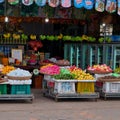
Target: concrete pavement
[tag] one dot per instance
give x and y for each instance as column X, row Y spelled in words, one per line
column 44, row 108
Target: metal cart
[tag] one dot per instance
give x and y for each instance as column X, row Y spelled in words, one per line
column 57, row 89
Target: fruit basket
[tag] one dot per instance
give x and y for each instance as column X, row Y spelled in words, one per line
column 98, row 72
column 44, row 63
column 107, row 79
column 19, row 78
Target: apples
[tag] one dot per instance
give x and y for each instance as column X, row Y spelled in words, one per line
column 103, row 68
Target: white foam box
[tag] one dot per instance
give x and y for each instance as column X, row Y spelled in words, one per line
column 101, row 75
column 64, row 87
column 47, row 77
column 111, row 87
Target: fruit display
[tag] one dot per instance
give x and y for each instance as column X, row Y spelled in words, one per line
column 79, row 74
column 19, row 73
column 45, row 62
column 111, row 78
column 99, row 69
column 32, row 60
column 50, row 69
column 35, row 44
column 64, row 75
column 62, row 62
column 7, row 69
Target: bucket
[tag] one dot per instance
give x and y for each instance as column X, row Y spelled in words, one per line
column 5, row 61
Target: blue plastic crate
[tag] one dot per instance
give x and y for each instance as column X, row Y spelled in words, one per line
column 115, row 38
column 20, row 89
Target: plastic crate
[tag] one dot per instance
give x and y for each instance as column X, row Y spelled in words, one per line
column 64, row 87
column 20, row 89
column 3, row 89
column 111, row 87
column 85, row 87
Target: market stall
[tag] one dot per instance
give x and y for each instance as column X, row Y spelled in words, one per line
column 68, row 82
column 15, row 84
column 107, row 81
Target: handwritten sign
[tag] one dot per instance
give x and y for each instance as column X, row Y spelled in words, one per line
column 17, row 54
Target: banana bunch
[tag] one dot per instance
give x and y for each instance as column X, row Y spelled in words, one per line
column 24, row 37
column 60, row 36
column 7, row 35
column 16, row 36
column 33, row 37
column 85, row 37
column 42, row 37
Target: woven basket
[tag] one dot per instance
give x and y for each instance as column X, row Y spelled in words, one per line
column 98, row 72
column 108, row 80
column 19, row 78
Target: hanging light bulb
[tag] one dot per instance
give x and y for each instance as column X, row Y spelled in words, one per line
column 46, row 19
column 6, row 19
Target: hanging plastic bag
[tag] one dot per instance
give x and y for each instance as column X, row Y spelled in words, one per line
column 53, row 3
column 78, row 3
column 100, row 5
column 1, row 1
column 111, row 6
column 40, row 2
column 88, row 4
column 66, row 3
column 118, row 11
column 13, row 2
column 27, row 2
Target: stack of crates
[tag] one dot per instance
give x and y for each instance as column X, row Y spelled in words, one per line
column 86, row 87
column 3, row 89
column 20, row 89
column 111, row 87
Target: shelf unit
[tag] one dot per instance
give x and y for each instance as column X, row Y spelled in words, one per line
column 83, row 55
column 76, row 54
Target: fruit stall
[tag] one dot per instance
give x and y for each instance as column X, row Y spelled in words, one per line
column 107, row 81
column 68, row 82
column 15, row 84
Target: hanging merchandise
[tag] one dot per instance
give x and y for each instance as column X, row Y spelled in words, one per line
column 13, row 2
column 40, row 2
column 66, row 3
column 1, row 1
column 88, row 4
column 27, row 2
column 111, row 6
column 53, row 3
column 100, row 5
column 78, row 3
column 118, row 12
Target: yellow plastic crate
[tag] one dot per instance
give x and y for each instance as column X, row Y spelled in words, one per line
column 85, row 87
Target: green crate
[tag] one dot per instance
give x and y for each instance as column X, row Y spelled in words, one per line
column 3, row 89
column 20, row 89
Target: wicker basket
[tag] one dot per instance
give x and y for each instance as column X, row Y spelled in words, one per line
column 108, row 80
column 98, row 72
column 19, row 78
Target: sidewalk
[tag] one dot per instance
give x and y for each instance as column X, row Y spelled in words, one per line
column 44, row 108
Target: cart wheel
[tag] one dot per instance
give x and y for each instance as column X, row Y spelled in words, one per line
column 31, row 100
column 56, row 99
column 96, row 99
column 43, row 94
column 105, row 98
